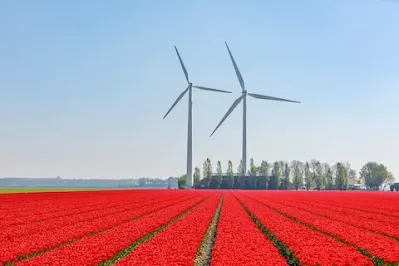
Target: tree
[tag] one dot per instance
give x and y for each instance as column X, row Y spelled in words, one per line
column 390, row 180
column 325, row 167
column 366, row 173
column 207, row 171
column 197, row 177
column 252, row 167
column 352, row 178
column 240, row 169
column 347, row 166
column 329, row 176
column 308, row 176
column 281, row 165
column 275, row 179
column 252, row 174
column 319, row 176
column 330, row 179
column 230, row 174
column 297, row 168
column 374, row 175
column 286, row 177
column 214, row 180
column 219, row 172
column 209, row 168
column 181, row 182
column 264, row 171
column 341, row 176
column 313, row 166
column 239, row 182
column 316, row 173
column 205, row 168
column 219, row 169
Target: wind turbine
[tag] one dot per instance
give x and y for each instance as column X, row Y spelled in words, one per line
column 189, row 174
column 243, row 98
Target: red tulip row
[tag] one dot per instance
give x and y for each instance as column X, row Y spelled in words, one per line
column 375, row 203
column 93, row 249
column 384, row 203
column 238, row 240
column 32, row 205
column 377, row 223
column 26, row 245
column 59, row 208
column 12, row 232
column 359, row 210
column 178, row 243
column 41, row 203
column 309, row 247
column 377, row 245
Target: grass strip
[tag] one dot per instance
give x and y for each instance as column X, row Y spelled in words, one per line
column 285, row 251
column 123, row 253
column 204, row 251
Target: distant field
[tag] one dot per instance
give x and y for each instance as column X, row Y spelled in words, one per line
column 6, row 190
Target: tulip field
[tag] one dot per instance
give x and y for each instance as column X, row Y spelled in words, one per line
column 199, row 227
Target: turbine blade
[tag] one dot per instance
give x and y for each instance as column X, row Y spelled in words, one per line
column 240, row 79
column 233, row 106
column 210, row 89
column 182, row 65
column 177, row 100
column 264, row 97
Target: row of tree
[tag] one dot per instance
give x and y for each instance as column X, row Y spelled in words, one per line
column 291, row 175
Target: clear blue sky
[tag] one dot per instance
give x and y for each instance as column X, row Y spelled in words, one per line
column 84, row 84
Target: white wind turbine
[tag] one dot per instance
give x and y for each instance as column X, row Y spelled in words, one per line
column 189, row 174
column 244, row 110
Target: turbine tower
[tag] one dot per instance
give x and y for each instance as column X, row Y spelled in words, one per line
column 243, row 98
column 189, row 174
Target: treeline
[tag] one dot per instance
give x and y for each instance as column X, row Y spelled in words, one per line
column 291, row 175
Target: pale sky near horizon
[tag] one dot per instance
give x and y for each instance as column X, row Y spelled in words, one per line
column 84, row 84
